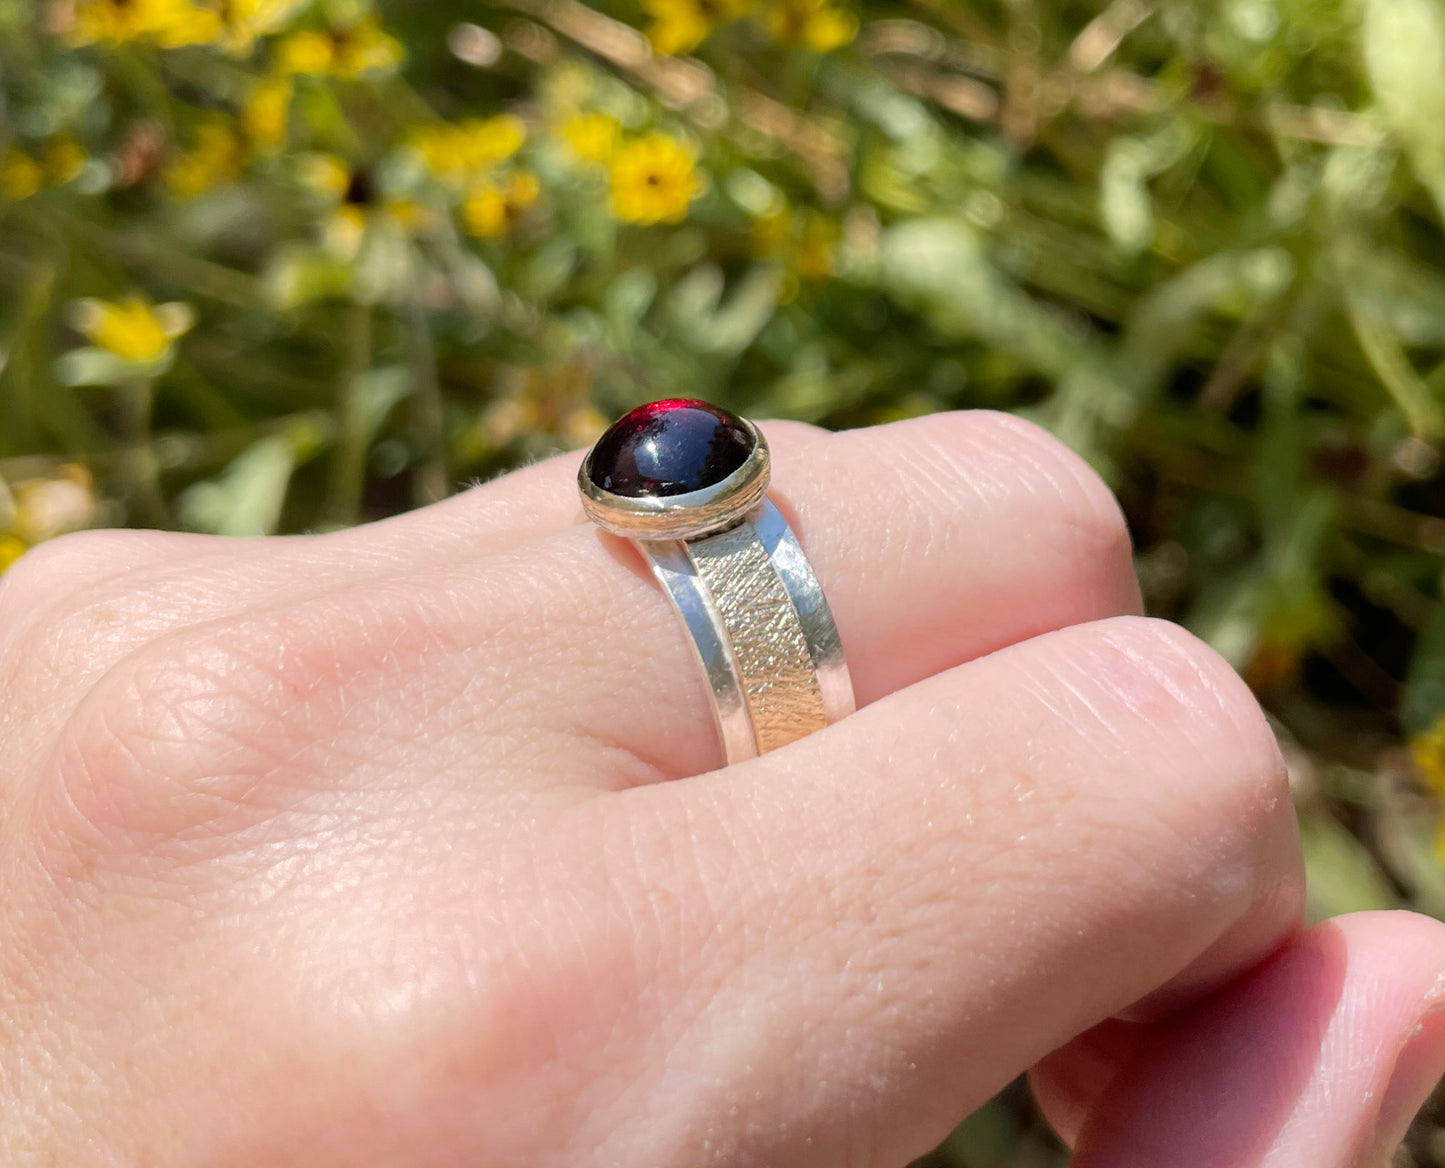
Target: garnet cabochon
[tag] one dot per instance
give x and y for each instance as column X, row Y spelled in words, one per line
column 671, row 447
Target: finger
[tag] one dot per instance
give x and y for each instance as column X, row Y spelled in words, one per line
column 1320, row 1056
column 169, row 580
column 937, row 540
column 903, row 913
column 966, row 533
column 526, row 504
column 1069, row 1083
column 72, row 609
column 516, row 509
column 165, row 580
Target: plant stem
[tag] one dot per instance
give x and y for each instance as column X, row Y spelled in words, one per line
column 429, row 480
column 139, row 467
column 348, row 463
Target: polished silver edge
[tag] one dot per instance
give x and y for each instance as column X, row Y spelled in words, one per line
column 678, row 576
column 676, row 571
column 820, row 630
column 692, row 516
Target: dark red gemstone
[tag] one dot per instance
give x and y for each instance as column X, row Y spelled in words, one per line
column 670, row 447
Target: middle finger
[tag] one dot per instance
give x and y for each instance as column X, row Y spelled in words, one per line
column 937, row 540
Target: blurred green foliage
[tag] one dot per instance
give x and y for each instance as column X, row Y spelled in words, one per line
column 275, row 265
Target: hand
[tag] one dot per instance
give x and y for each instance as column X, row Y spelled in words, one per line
column 405, row 847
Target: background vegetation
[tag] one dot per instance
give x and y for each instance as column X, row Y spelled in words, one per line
column 270, row 265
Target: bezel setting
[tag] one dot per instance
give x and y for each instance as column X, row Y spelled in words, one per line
column 688, row 516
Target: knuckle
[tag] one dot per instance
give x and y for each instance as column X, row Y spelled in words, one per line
column 1220, row 760
column 189, row 738
column 212, row 729
column 74, row 606
column 71, row 577
column 60, row 566
column 1078, row 531
column 1071, row 488
column 157, row 746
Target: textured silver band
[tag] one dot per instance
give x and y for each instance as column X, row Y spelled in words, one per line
column 762, row 629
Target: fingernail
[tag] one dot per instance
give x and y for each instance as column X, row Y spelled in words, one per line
column 1417, row 1072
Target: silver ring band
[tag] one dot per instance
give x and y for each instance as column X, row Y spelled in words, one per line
column 762, row 629
column 687, row 482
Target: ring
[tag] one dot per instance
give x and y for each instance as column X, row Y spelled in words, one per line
column 687, row 482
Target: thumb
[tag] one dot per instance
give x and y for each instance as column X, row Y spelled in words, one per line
column 1320, row 1056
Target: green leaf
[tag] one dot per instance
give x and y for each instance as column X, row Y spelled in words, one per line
column 989, row 1138
column 300, row 275
column 941, row 268
column 1342, row 876
column 95, row 366
column 1392, row 366
column 625, row 303
column 546, row 273
column 1404, row 44
column 1125, row 204
column 381, row 389
column 1422, row 701
column 1405, row 297
column 711, row 326
column 247, row 499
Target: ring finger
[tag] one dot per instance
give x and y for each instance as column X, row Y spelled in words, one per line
column 938, row 540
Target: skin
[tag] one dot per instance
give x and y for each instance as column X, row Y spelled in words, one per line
column 409, row 846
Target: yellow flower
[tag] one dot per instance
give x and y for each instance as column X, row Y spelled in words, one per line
column 814, row 23
column 808, row 253
column 1428, row 750
column 487, row 141
column 457, row 152
column 364, row 47
column 246, row 21
column 52, row 505
column 133, row 329
column 215, row 160
column 188, row 176
column 64, row 160
column 326, row 174
column 308, row 52
column 20, row 175
column 170, row 23
column 347, row 226
column 344, row 230
column 485, row 212
column 353, row 197
column 11, row 549
column 772, row 233
column 815, row 250
column 653, row 180
column 592, row 137
column 491, row 209
column 679, row 26
column 352, row 194
column 267, row 114
column 414, row 218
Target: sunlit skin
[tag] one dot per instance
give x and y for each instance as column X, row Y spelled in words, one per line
column 408, row 846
